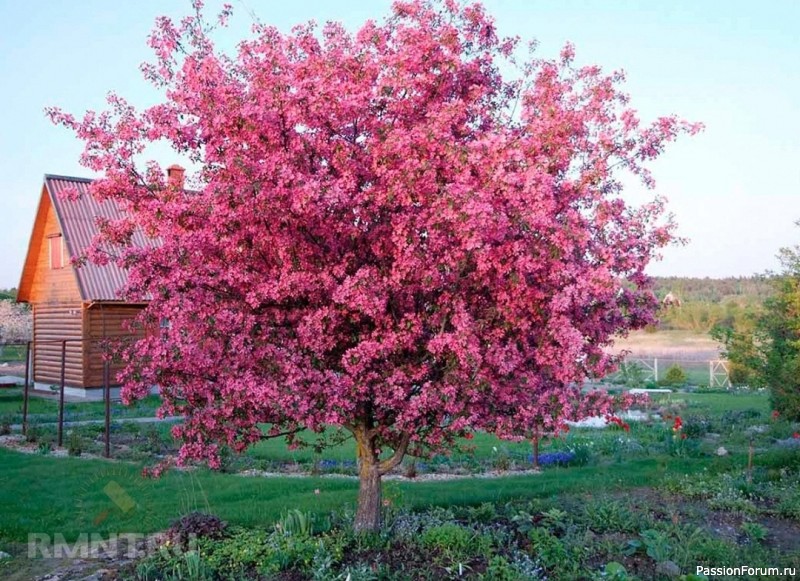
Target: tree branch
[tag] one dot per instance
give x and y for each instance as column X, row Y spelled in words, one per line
column 395, row 459
column 281, row 434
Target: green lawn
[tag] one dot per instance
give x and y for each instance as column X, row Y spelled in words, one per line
column 43, row 493
column 716, row 404
column 12, row 353
column 41, row 410
column 72, row 496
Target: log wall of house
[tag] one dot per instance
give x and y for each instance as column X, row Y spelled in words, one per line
column 110, row 321
column 52, row 323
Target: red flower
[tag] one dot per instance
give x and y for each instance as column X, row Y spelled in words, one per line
column 676, row 427
column 619, row 423
column 796, row 435
column 683, row 436
column 776, row 414
column 468, row 436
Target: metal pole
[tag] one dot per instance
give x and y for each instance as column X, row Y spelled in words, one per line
column 61, row 394
column 655, row 369
column 25, row 389
column 107, row 394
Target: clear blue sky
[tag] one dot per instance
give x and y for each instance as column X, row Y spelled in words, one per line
column 733, row 65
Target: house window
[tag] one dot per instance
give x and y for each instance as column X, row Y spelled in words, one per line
column 56, row 242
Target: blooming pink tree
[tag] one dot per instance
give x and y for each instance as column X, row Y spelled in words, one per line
column 385, row 235
column 16, row 322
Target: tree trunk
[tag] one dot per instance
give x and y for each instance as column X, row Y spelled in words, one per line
column 368, row 514
column 370, row 471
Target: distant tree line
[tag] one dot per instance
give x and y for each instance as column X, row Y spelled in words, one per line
column 708, row 303
column 715, row 290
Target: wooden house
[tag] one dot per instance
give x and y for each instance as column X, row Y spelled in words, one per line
column 76, row 304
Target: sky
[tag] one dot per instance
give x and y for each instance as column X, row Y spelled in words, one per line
column 734, row 189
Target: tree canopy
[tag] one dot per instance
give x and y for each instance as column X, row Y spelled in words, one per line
column 384, row 234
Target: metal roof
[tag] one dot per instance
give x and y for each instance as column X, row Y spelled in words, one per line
column 77, row 216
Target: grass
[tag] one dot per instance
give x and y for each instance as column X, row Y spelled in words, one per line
column 84, row 502
column 12, row 353
column 482, row 446
column 719, row 403
column 43, row 410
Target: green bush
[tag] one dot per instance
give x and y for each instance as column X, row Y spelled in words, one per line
column 605, row 515
column 454, row 542
column 790, row 506
column 675, row 376
column 75, row 444
column 770, row 348
column 500, row 569
column 5, row 425
column 739, row 374
column 754, row 531
column 33, row 433
column 695, row 426
column 548, row 548
column 630, row 375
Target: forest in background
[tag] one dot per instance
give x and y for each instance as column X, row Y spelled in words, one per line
column 707, row 303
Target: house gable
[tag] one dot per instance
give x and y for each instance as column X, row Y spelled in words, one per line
column 48, row 276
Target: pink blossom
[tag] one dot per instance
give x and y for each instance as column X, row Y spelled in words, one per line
column 375, row 241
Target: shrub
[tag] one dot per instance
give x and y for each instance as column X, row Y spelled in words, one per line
column 33, row 433
column 195, row 525
column 695, row 426
column 630, row 375
column 454, row 542
column 754, row 531
column 153, row 443
column 656, row 544
column 790, row 506
column 610, row 516
column 239, row 555
column 675, row 376
column 501, row 462
column 5, row 426
column 549, row 549
column 582, row 453
column 500, row 569
column 739, row 374
column 75, row 444
column 735, row 418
